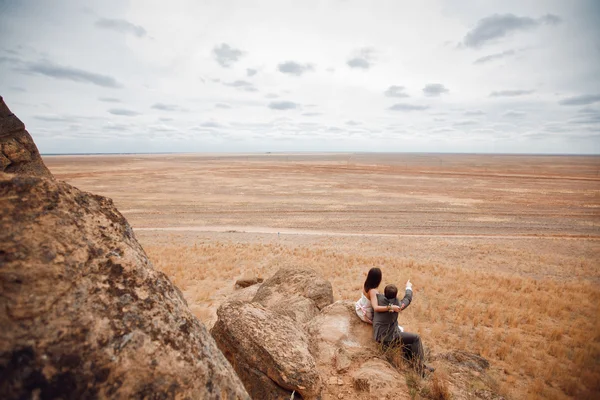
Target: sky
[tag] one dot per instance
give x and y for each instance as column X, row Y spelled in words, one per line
column 117, row 76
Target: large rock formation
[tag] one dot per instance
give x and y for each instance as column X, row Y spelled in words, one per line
column 263, row 338
column 344, row 349
column 302, row 291
column 84, row 314
column 18, row 152
column 268, row 351
column 290, row 337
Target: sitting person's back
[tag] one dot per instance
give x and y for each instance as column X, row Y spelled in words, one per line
column 385, row 324
column 387, row 332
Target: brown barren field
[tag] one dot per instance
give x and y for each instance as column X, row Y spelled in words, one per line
column 503, row 251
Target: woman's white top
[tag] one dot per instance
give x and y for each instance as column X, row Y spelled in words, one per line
column 364, row 309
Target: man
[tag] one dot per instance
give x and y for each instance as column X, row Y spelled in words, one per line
column 387, row 332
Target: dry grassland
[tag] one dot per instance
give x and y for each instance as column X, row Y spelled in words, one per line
column 503, row 251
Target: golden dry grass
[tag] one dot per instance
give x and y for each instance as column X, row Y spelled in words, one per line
column 543, row 334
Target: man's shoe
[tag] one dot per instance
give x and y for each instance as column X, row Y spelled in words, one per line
column 427, row 370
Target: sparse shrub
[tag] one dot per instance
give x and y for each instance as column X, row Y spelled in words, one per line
column 439, row 387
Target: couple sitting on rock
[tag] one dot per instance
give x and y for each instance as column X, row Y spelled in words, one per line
column 381, row 310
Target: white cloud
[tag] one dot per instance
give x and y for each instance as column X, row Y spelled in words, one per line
column 434, row 89
column 226, row 55
column 122, row 26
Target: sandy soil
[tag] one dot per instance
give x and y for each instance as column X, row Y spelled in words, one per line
column 451, row 209
column 374, row 194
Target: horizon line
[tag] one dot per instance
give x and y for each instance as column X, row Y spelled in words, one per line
column 317, row 152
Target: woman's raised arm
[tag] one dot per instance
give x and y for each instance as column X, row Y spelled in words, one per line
column 373, row 296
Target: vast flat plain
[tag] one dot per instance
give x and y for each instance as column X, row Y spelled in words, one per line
column 503, row 250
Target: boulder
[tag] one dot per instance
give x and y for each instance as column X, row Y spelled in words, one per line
column 18, row 152
column 343, row 347
column 244, row 295
column 84, row 314
column 377, row 377
column 268, row 351
column 295, row 292
column 337, row 333
column 245, row 282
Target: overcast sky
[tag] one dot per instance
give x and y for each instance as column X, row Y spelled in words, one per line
column 230, row 76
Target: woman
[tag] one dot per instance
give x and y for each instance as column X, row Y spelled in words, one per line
column 367, row 303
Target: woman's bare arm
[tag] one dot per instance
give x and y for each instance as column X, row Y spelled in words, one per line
column 376, row 306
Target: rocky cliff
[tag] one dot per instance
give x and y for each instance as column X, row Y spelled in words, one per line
column 83, row 313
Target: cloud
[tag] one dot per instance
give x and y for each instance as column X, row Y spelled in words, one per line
column 407, row 107
column 353, row 123
column 473, row 113
column 550, row 19
column 434, row 89
column 294, row 68
column 226, row 55
column 591, row 119
column 251, row 71
column 283, row 105
column 496, row 56
column 363, row 58
column 123, row 112
column 498, row 26
column 117, row 127
column 109, row 99
column 466, row 122
column 211, row 124
column 166, row 107
column 395, row 91
column 10, row 60
column 513, row 114
column 271, row 96
column 582, row 100
column 443, row 130
column 122, row 26
column 358, row 62
column 311, row 114
column 241, row 85
column 54, row 118
column 72, row 74
column 223, row 106
column 510, row 93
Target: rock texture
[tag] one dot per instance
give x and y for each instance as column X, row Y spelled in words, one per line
column 376, row 376
column 18, row 152
column 246, row 282
column 343, row 348
column 82, row 311
column 325, row 353
column 302, row 292
column 268, row 351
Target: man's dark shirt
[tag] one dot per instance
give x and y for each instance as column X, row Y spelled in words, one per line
column 385, row 324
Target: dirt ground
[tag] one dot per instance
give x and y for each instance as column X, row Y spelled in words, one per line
column 446, row 209
column 490, row 242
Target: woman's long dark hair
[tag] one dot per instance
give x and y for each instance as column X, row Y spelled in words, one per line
column 373, row 279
